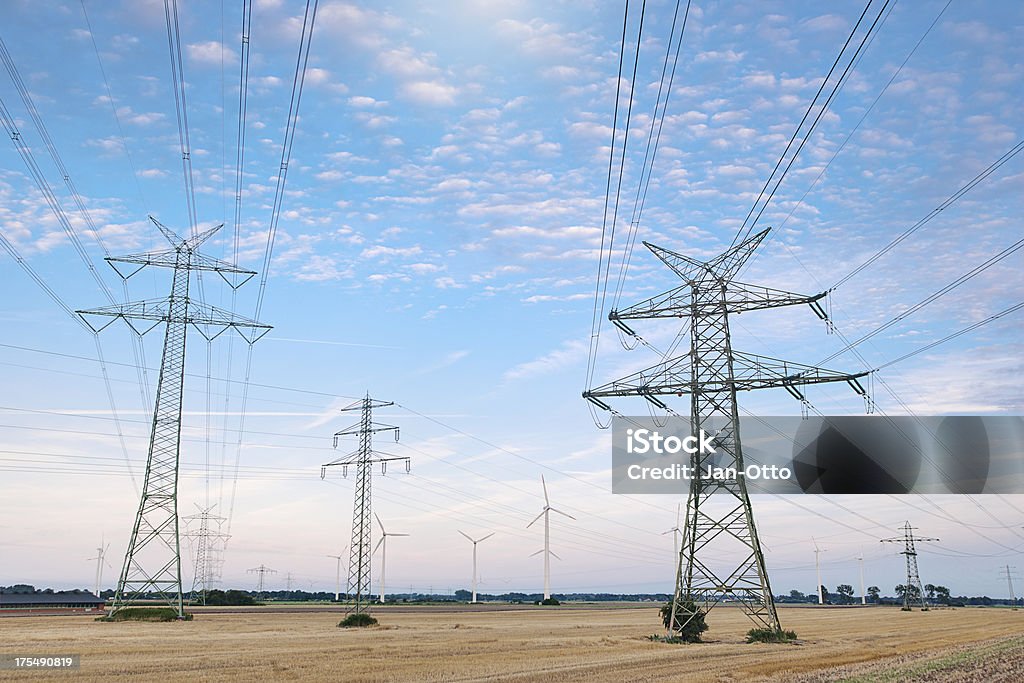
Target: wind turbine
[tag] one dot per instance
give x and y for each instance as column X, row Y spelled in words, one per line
column 817, row 568
column 676, row 532
column 547, row 537
column 860, row 561
column 474, row 557
column 337, row 577
column 383, row 545
column 101, row 559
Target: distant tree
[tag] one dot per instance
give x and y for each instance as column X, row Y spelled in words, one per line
column 463, row 595
column 796, row 595
column 845, row 591
column 914, row 591
column 942, row 594
column 874, row 593
column 929, row 591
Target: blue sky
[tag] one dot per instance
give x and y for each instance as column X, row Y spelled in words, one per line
column 438, row 247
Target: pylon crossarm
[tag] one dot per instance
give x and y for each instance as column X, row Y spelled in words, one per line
column 761, row 372
column 750, row 372
column 742, row 297
column 170, row 258
column 739, row 297
column 675, row 303
column 356, row 458
column 201, row 316
column 675, row 372
column 372, row 429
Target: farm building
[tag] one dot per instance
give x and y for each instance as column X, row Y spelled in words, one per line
column 25, row 599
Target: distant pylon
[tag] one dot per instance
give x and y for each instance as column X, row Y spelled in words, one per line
column 261, row 571
column 363, row 458
column 913, row 579
column 152, row 563
column 711, row 373
column 208, row 542
column 1009, row 584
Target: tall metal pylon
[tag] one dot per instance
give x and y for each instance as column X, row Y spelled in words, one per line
column 913, row 579
column 711, row 374
column 208, row 544
column 364, row 457
column 261, row 571
column 152, row 562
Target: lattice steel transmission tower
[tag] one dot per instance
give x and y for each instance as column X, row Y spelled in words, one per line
column 711, row 374
column 152, row 563
column 260, row 571
column 913, row 579
column 209, row 540
column 364, row 457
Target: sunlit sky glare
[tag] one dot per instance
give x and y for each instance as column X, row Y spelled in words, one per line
column 438, row 247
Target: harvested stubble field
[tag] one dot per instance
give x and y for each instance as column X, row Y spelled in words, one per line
column 599, row 644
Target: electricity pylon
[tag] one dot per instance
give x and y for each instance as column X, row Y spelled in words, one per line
column 152, row 563
column 1009, row 584
column 364, row 457
column 913, row 579
column 261, row 571
column 711, row 374
column 208, row 544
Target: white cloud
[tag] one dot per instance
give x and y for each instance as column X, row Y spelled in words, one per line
column 447, row 283
column 424, row 268
column 430, row 93
column 379, row 250
column 719, row 56
column 406, row 63
column 364, row 102
column 210, row 53
column 330, row 175
column 569, row 354
column 126, row 115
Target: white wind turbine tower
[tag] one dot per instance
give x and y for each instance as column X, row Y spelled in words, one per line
column 676, row 532
column 101, row 559
column 817, row 569
column 383, row 545
column 547, row 537
column 468, row 538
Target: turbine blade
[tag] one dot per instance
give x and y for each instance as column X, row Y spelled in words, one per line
column 486, row 537
column 378, row 545
column 563, row 513
column 398, row 534
column 554, row 555
column 542, row 512
column 537, row 553
column 544, row 484
column 380, row 523
column 466, row 535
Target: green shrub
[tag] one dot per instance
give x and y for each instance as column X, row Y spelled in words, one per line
column 146, row 614
column 690, row 632
column 550, row 601
column 769, row 635
column 357, row 620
